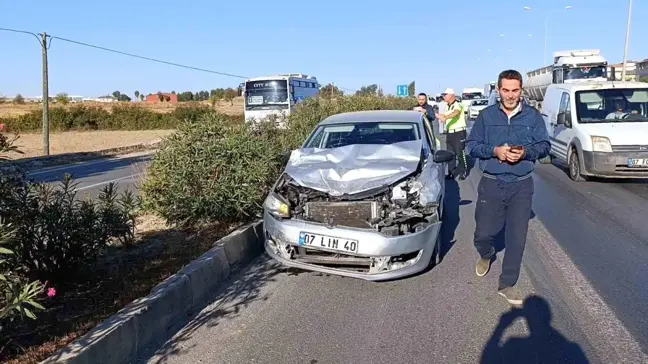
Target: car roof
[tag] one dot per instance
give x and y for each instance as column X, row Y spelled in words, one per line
column 392, row 116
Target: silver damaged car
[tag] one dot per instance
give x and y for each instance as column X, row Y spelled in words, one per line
column 362, row 198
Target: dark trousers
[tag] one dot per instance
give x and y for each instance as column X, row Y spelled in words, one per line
column 457, row 143
column 503, row 204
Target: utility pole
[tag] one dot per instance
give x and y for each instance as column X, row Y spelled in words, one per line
column 46, row 125
column 627, row 40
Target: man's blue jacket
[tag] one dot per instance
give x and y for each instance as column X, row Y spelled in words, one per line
column 492, row 128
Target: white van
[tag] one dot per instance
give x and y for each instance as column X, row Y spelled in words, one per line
column 598, row 128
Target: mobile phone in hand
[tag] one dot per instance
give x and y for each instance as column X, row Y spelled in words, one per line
column 517, row 148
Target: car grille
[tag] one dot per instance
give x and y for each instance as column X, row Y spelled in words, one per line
column 630, row 148
column 333, row 260
column 352, row 214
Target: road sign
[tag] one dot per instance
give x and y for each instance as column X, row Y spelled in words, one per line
column 402, row 90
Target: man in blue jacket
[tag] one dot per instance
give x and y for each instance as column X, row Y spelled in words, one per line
column 507, row 138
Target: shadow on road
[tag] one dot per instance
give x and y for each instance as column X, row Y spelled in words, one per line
column 544, row 344
column 93, row 168
column 452, row 202
column 242, row 290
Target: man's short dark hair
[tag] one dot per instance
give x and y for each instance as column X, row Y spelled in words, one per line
column 509, row 75
column 422, row 94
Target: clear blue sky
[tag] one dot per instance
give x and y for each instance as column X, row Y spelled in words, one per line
column 351, row 43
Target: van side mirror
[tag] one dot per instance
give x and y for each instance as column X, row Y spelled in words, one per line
column 561, row 118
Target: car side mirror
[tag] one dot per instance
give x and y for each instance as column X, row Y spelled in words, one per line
column 443, row 156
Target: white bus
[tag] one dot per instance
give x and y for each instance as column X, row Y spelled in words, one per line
column 276, row 95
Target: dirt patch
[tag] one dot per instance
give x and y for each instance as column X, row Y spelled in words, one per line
column 10, row 109
column 83, row 141
column 118, row 278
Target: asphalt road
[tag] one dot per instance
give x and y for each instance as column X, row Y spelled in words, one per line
column 585, row 267
column 92, row 176
column 586, row 261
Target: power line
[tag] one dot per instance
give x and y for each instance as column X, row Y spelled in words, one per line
column 141, row 57
column 148, row 58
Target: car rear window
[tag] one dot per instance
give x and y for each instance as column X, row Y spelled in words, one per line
column 339, row 135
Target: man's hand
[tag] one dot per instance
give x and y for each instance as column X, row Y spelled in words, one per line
column 515, row 155
column 502, row 152
column 440, row 117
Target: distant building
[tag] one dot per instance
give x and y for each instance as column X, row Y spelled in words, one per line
column 615, row 71
column 107, row 98
column 166, row 97
column 642, row 69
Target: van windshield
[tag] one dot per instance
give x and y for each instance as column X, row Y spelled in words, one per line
column 612, row 105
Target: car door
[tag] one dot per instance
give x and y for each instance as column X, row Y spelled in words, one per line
column 561, row 132
column 429, row 139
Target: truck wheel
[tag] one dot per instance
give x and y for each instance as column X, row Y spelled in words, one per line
column 574, row 167
column 546, row 160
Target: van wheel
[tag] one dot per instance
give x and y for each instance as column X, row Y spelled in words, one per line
column 546, row 160
column 574, row 167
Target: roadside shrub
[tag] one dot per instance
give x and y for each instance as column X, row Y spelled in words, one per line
column 56, row 233
column 121, row 117
column 213, row 169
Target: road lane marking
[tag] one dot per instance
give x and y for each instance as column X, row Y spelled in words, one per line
column 107, row 182
column 90, row 163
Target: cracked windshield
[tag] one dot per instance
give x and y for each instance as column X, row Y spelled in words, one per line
column 328, row 183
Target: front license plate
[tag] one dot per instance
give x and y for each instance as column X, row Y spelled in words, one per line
column 328, row 242
column 637, row 162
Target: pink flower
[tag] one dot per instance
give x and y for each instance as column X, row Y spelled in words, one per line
column 51, row 292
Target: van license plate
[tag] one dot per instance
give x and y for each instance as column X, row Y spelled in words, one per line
column 637, row 162
column 326, row 242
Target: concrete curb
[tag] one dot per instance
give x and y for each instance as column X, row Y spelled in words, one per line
column 150, row 321
column 68, row 158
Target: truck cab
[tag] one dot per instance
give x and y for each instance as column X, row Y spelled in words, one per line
column 598, row 129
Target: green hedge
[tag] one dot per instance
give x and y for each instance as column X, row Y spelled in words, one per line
column 211, row 169
column 122, row 117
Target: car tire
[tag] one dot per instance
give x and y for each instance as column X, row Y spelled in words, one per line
column 574, row 167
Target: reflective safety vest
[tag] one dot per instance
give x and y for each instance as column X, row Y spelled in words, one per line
column 458, row 122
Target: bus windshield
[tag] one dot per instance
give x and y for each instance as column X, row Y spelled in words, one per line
column 265, row 93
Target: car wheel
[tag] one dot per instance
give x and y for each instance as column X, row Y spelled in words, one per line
column 574, row 167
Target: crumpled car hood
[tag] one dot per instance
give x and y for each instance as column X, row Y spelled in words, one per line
column 353, row 168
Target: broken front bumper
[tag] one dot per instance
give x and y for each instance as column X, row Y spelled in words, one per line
column 376, row 257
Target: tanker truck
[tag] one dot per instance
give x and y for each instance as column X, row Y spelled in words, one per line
column 574, row 66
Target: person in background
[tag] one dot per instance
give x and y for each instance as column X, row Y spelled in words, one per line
column 454, row 121
column 507, row 138
column 424, row 107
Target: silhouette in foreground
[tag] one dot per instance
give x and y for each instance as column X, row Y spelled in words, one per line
column 544, row 345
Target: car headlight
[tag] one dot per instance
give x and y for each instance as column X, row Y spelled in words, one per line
column 277, row 206
column 601, row 144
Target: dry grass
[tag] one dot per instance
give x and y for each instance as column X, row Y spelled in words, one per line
column 11, row 109
column 83, row 141
column 120, row 277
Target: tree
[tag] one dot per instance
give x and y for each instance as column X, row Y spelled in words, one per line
column 643, row 79
column 330, row 91
column 137, row 95
column 160, row 96
column 411, row 88
column 230, row 94
column 371, row 90
column 19, row 99
column 124, row 97
column 141, row 97
column 62, row 98
column 116, row 94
